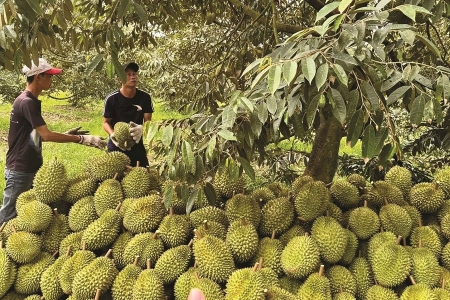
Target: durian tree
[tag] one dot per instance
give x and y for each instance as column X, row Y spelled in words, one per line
column 253, row 73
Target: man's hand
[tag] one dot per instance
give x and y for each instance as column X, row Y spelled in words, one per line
column 196, row 294
column 76, row 131
column 136, row 131
column 93, row 141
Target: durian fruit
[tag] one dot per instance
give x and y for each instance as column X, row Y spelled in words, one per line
column 183, row 284
column 300, row 257
column 445, row 256
column 72, row 266
column 122, row 135
column 79, row 189
column 441, row 293
column 364, row 222
column 377, row 292
column 290, row 284
column 50, row 181
column 148, row 286
column 350, row 249
column 381, row 192
column 316, row 286
column 330, row 237
column 242, row 239
column 425, row 266
column 210, row 213
column 357, row 180
column 172, row 263
column 49, row 282
column 262, row 195
column 98, row 274
column 8, row 271
column 295, row 230
column 245, row 283
column 341, row 280
column 279, row 189
column 426, row 237
column 23, row 247
column 226, row 186
column 29, row 274
column 414, row 214
column 213, row 257
column 34, row 217
column 276, row 215
column 445, row 226
column 391, row 264
column 396, row 219
column 118, row 249
column 379, row 239
column 73, row 240
column 34, row 297
column 55, row 233
column 212, row 228
column 269, row 275
column 174, row 230
column 82, row 213
column 240, row 206
column 136, row 182
column 122, row 287
column 107, row 165
column 156, row 180
column 427, row 197
column 418, row 291
column 344, row 296
column 298, row 183
column 269, row 250
column 360, row 269
column 24, row 198
column 104, row 230
column 108, row 195
column 442, row 179
column 311, row 200
column 148, row 246
column 277, row 293
column 344, row 193
column 144, row 214
column 13, row 295
column 334, row 211
column 190, row 279
column 400, row 177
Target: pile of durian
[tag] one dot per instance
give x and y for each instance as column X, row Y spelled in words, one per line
column 107, row 234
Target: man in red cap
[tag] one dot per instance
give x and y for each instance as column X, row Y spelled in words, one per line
column 27, row 130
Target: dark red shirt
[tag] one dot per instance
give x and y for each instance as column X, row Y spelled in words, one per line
column 24, row 143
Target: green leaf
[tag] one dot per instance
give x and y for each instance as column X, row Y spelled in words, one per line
column 437, row 110
column 341, row 74
column 355, row 127
column 228, row 117
column 140, row 11
column 188, row 156
column 408, row 36
column 309, row 68
column 168, row 196
column 167, row 135
column 227, row 135
column 338, row 22
column 94, row 63
column 29, row 8
column 272, row 104
column 386, row 153
column 417, row 108
column 444, row 80
column 406, row 73
column 368, row 142
column 339, row 109
column 274, row 78
column 324, row 11
column 122, row 8
column 407, row 10
column 380, row 138
column 263, row 112
column 259, row 77
column 371, row 94
column 210, row 193
column 381, row 4
column 211, row 147
column 414, row 72
column 397, row 94
column 429, row 44
column 151, row 129
column 289, row 71
column 321, row 75
column 246, row 103
column 312, row 109
column 248, row 169
column 329, row 20
column 191, row 200
column 344, row 5
column 344, row 57
column 391, row 82
column 252, row 66
column 118, row 67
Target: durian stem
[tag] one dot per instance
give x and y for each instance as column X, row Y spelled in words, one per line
column 108, row 253
column 13, row 228
column 321, row 270
column 148, row 264
column 3, row 226
column 137, row 164
column 1, row 244
column 255, row 267
column 420, row 222
column 420, row 243
column 55, row 212
column 399, row 239
column 261, row 259
column 136, row 259
column 97, row 294
column 365, row 203
column 196, row 275
column 273, row 235
column 443, row 283
column 412, row 280
column 118, row 206
column 190, row 243
column 115, row 176
column 171, row 211
column 404, row 241
column 68, row 250
column 155, row 235
column 198, row 235
column 244, row 221
column 205, row 224
column 83, row 246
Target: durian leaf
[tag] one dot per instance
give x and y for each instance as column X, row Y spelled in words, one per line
column 188, row 156
column 140, row 11
column 248, row 169
column 191, row 199
column 272, row 104
column 227, row 135
column 368, row 142
column 94, row 63
column 324, row 11
column 388, row 84
column 168, row 194
column 397, row 94
column 321, row 75
column 151, row 129
column 380, row 138
column 167, row 134
column 308, row 68
column 211, row 147
column 289, row 71
column 417, row 109
column 246, row 103
column 341, row 74
column 371, row 94
column 355, row 128
column 339, row 109
column 210, row 193
column 274, row 78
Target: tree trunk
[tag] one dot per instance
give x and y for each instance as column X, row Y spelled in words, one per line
column 323, row 161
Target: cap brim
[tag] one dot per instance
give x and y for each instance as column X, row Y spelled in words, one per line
column 53, row 71
column 133, row 66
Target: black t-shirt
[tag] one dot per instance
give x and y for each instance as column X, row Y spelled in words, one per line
column 24, row 143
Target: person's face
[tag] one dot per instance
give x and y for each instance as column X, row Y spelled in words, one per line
column 132, row 77
column 44, row 81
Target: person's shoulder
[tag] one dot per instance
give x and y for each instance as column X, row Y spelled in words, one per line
column 113, row 94
column 143, row 92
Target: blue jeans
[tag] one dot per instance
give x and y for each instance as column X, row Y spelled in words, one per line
column 15, row 184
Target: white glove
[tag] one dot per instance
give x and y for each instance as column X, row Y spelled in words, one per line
column 136, row 131
column 118, row 145
column 93, row 141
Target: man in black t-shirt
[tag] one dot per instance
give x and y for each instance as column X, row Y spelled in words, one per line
column 130, row 105
column 27, row 131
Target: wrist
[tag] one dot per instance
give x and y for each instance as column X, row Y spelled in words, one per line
column 81, row 139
